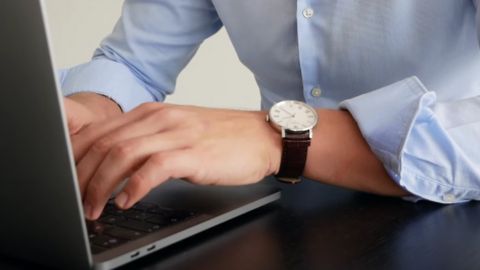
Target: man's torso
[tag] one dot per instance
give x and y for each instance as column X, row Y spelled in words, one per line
column 347, row 47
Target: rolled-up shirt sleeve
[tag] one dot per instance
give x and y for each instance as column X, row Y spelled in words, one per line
column 140, row 61
column 428, row 147
column 108, row 78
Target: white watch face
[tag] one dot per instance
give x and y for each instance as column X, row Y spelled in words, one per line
column 293, row 115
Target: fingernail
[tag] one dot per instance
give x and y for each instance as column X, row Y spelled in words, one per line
column 121, row 200
column 96, row 212
column 87, row 208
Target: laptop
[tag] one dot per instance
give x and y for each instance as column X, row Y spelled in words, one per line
column 42, row 216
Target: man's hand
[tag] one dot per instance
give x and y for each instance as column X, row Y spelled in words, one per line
column 78, row 115
column 86, row 108
column 157, row 141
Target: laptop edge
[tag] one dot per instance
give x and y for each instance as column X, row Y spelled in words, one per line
column 36, row 154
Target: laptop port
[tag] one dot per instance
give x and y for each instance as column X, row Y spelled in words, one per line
column 135, row 254
column 151, row 248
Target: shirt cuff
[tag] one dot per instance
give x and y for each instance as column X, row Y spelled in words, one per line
column 386, row 118
column 107, row 78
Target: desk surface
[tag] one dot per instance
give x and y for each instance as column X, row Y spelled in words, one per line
column 321, row 227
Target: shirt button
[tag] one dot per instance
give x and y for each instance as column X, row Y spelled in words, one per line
column 308, row 12
column 449, row 198
column 316, row 92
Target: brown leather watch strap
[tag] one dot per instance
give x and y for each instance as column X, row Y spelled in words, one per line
column 294, row 156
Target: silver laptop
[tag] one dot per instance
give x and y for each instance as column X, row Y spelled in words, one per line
column 42, row 218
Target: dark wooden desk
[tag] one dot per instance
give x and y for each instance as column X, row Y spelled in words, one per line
column 320, row 227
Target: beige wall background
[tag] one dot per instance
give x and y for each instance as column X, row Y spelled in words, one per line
column 214, row 78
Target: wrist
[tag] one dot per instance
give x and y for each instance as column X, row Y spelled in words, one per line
column 276, row 152
column 100, row 105
column 295, row 121
column 268, row 141
column 274, row 143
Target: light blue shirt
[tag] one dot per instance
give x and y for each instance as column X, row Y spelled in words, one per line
column 407, row 70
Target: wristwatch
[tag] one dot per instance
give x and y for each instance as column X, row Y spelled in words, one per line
column 295, row 121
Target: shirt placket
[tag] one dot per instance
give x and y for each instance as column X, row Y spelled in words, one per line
column 307, row 14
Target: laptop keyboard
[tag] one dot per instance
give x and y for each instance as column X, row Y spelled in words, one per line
column 116, row 226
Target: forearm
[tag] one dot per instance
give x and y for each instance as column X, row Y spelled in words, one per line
column 340, row 156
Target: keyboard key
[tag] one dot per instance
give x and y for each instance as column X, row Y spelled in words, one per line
column 111, row 219
column 95, row 227
column 106, row 241
column 138, row 225
column 122, row 233
column 144, row 207
column 113, row 210
column 138, row 215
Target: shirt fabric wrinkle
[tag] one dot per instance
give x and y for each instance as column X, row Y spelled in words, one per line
column 398, row 66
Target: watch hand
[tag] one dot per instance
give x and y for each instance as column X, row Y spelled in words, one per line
column 287, row 112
